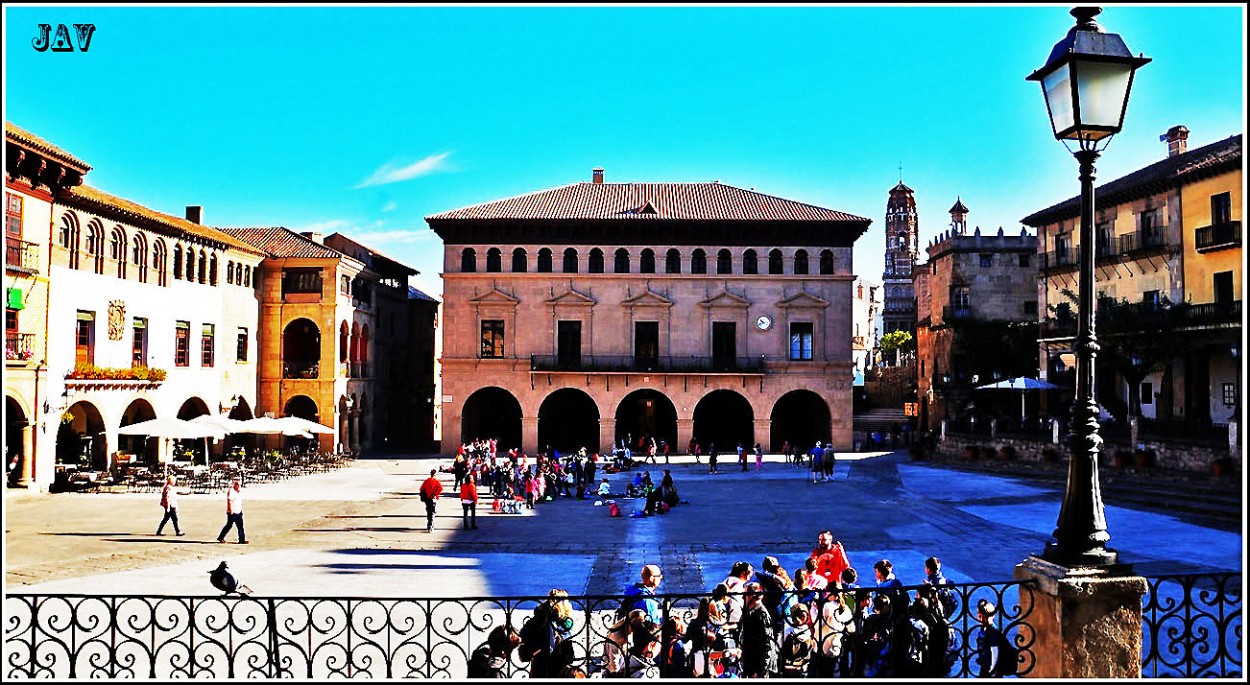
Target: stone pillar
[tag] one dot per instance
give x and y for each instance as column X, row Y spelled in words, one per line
column 685, row 431
column 353, row 430
column 26, row 463
column 763, row 434
column 1086, row 621
column 529, row 434
column 607, row 433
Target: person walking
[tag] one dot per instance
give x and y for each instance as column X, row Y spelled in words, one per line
column 759, row 457
column 234, row 512
column 169, row 501
column 742, row 457
column 430, row 491
column 468, row 502
column 711, row 458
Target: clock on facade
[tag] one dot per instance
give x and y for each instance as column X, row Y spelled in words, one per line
column 764, row 323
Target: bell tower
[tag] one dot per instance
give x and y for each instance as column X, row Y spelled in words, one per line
column 902, row 248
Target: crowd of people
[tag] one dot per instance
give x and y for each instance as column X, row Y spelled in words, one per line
column 817, row 622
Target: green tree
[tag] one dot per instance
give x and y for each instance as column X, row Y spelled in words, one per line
column 897, row 341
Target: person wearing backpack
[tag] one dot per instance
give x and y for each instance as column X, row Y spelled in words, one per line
column 917, row 643
column 798, row 648
column 946, row 596
column 676, row 662
column 545, row 636
column 943, row 645
column 996, row 656
column 877, row 641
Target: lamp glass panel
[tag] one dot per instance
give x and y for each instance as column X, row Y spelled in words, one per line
column 1057, row 87
column 1101, row 89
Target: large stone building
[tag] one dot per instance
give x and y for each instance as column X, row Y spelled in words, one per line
column 866, row 318
column 1168, row 281
column 976, row 300
column 117, row 313
column 146, row 315
column 902, row 249
column 594, row 312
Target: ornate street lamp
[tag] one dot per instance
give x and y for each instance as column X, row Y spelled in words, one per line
column 1086, row 83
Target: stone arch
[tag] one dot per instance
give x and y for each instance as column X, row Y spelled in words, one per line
column 646, row 261
column 344, row 342
column 178, row 261
column 570, row 261
column 800, row 262
column 826, row 262
column 242, row 410
column 698, row 261
column 724, row 262
column 620, row 261
column 16, row 425
column 145, row 450
column 118, row 245
column 468, row 260
column 160, row 259
column 212, row 269
column 672, row 261
column 304, row 407
column 69, row 236
column 95, row 245
column 724, row 418
column 568, row 419
column 494, row 260
column 775, row 263
column 520, row 261
column 750, row 262
column 492, row 412
column 301, row 349
column 647, row 413
column 81, row 440
column 800, row 417
column 544, row 260
column 595, row 263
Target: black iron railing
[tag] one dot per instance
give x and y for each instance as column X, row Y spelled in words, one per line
column 1218, row 236
column 77, row 636
column 622, row 363
column 1191, row 626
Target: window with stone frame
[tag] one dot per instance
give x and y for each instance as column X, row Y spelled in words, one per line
column 182, row 343
column 13, row 215
column 492, row 339
column 240, row 349
column 208, row 345
column 139, row 342
column 801, row 341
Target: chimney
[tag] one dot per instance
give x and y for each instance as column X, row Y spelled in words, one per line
column 596, row 175
column 1175, row 137
column 314, row 236
column 195, row 213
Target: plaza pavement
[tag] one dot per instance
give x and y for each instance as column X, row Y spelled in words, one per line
column 359, row 531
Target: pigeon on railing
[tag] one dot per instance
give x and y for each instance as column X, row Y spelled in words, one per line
column 227, row 583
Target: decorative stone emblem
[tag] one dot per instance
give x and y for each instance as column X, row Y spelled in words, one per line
column 117, row 319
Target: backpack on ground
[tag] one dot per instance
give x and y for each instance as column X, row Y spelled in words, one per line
column 614, row 510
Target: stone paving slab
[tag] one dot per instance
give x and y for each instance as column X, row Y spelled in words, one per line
column 360, row 531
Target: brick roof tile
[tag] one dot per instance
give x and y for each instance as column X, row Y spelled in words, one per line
column 280, row 242
column 94, row 199
column 21, row 135
column 648, row 201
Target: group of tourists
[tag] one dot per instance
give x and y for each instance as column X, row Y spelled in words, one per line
column 757, row 623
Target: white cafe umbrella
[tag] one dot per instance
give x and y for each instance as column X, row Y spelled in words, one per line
column 264, row 425
column 172, row 428
column 305, row 425
column 1021, row 383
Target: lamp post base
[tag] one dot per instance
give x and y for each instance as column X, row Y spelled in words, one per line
column 1097, row 557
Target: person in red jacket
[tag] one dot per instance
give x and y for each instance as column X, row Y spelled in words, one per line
column 430, row 491
column 468, row 502
column 830, row 558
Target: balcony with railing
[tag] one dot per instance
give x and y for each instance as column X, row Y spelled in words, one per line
column 629, row 364
column 1158, row 239
column 1223, row 236
column 21, row 255
column 19, row 347
column 1059, row 259
column 300, row 369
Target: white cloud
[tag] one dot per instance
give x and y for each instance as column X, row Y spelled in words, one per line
column 390, row 206
column 390, row 173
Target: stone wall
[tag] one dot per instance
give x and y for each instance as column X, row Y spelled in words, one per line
column 1172, row 456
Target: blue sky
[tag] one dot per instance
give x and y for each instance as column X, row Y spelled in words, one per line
column 366, row 120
